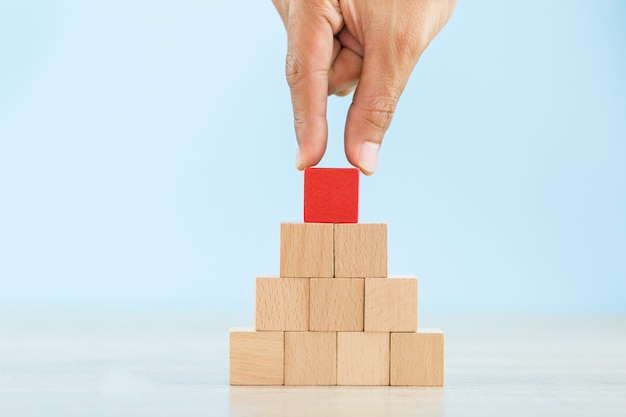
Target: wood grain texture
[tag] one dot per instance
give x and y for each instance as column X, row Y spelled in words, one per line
column 306, row 250
column 331, row 195
column 362, row 358
column 336, row 304
column 310, row 358
column 417, row 358
column 391, row 304
column 360, row 250
column 256, row 358
column 281, row 303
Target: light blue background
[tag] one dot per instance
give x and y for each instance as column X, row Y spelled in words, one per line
column 147, row 151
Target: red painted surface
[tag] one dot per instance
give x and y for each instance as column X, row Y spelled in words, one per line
column 331, row 195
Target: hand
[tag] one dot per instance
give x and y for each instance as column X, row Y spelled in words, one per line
column 337, row 45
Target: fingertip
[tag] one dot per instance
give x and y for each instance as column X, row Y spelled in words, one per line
column 345, row 92
column 362, row 144
column 368, row 157
column 300, row 166
column 309, row 157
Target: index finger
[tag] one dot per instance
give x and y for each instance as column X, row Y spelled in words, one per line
column 309, row 57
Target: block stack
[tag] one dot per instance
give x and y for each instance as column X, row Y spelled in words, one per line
column 333, row 316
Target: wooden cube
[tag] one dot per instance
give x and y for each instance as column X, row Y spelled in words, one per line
column 360, row 250
column 391, row 304
column 331, row 195
column 362, row 358
column 256, row 358
column 306, row 250
column 282, row 303
column 417, row 358
column 336, row 304
column 310, row 358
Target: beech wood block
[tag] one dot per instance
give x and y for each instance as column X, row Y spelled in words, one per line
column 360, row 250
column 391, row 304
column 336, row 304
column 331, row 195
column 282, row 303
column 256, row 358
column 417, row 358
column 362, row 358
column 306, row 250
column 310, row 358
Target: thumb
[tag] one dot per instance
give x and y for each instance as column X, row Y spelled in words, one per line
column 383, row 79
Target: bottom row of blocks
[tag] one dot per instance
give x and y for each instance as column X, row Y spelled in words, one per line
column 336, row 358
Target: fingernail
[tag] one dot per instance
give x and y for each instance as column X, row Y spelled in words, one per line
column 368, row 157
column 299, row 164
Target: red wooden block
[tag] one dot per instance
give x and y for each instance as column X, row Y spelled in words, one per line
column 331, row 195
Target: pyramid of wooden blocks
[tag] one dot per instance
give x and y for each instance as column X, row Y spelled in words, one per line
column 333, row 315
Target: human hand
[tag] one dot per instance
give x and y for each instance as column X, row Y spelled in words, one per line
column 336, row 46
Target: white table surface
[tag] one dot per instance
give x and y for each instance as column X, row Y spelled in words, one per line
column 160, row 364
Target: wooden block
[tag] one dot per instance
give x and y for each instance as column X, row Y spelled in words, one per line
column 306, row 250
column 331, row 195
column 282, row 303
column 391, row 304
column 362, row 358
column 256, row 358
column 417, row 358
column 310, row 358
column 336, row 304
column 360, row 250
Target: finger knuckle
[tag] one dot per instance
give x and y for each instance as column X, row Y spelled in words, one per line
column 380, row 113
column 299, row 124
column 293, row 71
column 411, row 47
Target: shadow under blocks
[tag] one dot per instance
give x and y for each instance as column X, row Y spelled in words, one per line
column 333, row 316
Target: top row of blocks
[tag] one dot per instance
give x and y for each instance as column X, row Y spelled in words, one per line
column 331, row 195
column 325, row 250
